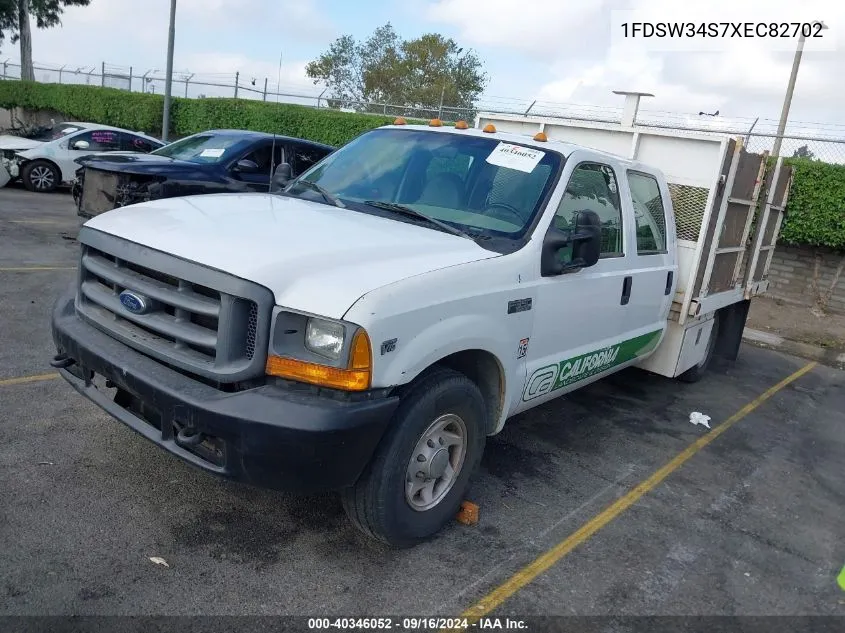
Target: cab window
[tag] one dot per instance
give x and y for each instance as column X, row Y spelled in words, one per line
column 593, row 187
column 649, row 212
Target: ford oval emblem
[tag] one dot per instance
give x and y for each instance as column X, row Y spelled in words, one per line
column 134, row 302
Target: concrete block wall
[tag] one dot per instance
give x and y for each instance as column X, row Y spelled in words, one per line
column 791, row 277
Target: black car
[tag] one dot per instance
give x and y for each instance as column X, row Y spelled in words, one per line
column 216, row 161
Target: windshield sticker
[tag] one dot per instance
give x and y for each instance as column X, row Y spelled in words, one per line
column 69, row 130
column 553, row 377
column 215, row 152
column 515, row 157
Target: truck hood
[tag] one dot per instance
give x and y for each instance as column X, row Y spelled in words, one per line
column 17, row 143
column 313, row 257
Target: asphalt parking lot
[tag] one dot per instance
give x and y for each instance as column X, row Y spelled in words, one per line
column 749, row 522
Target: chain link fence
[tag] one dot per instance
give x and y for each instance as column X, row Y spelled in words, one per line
column 824, row 142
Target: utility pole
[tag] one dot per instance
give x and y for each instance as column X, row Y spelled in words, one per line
column 168, row 80
column 790, row 88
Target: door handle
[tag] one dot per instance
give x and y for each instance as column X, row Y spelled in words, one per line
column 626, row 290
column 669, row 277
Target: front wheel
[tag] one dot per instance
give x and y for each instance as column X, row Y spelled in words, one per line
column 416, row 481
column 41, row 176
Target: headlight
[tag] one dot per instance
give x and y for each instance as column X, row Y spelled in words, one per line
column 324, row 338
column 319, row 351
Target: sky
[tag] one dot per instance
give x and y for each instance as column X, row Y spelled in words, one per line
column 548, row 50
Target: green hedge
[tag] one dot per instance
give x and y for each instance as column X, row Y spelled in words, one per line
column 815, row 211
column 134, row 111
column 143, row 112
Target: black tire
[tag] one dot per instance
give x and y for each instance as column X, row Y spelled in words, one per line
column 696, row 373
column 41, row 176
column 377, row 503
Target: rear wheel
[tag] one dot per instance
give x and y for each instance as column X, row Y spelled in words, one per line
column 696, row 373
column 41, row 176
column 416, row 481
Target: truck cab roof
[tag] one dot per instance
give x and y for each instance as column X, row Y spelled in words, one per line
column 562, row 148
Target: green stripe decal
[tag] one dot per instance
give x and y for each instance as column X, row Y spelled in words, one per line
column 841, row 579
column 566, row 372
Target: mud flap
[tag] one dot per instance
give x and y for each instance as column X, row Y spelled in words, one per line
column 731, row 326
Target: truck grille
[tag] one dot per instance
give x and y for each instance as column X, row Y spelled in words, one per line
column 187, row 321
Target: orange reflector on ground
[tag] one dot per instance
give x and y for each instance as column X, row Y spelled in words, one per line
column 468, row 514
column 489, row 128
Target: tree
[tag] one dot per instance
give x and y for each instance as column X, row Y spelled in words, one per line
column 803, row 152
column 384, row 69
column 15, row 19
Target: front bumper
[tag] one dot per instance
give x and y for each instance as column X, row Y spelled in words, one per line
column 271, row 436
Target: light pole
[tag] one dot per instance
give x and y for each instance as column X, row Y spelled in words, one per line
column 168, row 80
column 790, row 88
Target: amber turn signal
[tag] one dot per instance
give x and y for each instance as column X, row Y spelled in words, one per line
column 354, row 378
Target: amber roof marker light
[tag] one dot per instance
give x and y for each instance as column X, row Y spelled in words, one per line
column 489, row 129
column 400, row 121
column 435, row 123
column 541, row 137
column 461, row 125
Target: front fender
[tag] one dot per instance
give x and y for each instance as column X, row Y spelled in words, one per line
column 460, row 333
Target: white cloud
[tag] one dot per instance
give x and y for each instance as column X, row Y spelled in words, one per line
column 571, row 57
column 535, row 26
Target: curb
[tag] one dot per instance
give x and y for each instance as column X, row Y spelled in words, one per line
column 832, row 357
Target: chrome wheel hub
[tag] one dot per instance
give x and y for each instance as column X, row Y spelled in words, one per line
column 41, row 177
column 436, row 462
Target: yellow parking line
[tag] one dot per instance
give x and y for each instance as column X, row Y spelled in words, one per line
column 544, row 562
column 27, row 379
column 29, row 269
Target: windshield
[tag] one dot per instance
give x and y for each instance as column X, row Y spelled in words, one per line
column 478, row 185
column 200, row 148
column 56, row 132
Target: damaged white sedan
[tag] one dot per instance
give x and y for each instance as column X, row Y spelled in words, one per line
column 46, row 160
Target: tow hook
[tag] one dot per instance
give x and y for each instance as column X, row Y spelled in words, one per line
column 61, row 361
column 188, row 436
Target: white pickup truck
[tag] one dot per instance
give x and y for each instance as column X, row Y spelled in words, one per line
column 366, row 329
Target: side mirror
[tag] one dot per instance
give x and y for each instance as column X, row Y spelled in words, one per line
column 281, row 177
column 585, row 239
column 246, row 166
column 82, row 145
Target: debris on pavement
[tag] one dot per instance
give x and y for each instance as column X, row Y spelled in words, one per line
column 699, row 418
column 159, row 561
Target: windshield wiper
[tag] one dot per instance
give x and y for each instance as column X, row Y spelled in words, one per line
column 326, row 195
column 401, row 208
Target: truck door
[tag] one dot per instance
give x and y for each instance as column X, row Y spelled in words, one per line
column 579, row 331
column 653, row 265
